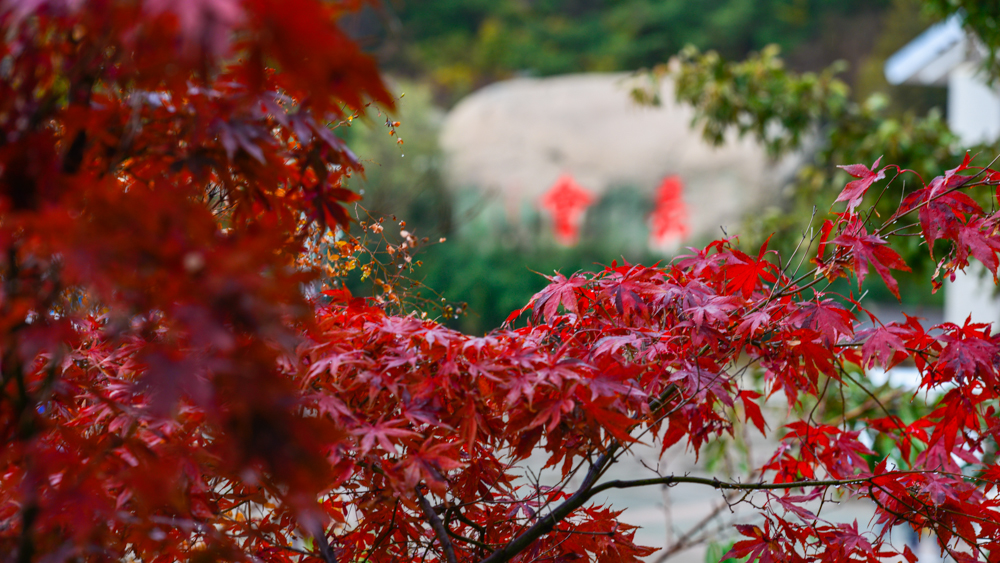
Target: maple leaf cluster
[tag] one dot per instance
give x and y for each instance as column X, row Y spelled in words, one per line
column 169, row 393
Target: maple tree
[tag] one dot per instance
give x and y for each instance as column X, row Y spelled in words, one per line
column 173, row 388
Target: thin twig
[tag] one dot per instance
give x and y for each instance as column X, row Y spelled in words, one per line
column 590, row 489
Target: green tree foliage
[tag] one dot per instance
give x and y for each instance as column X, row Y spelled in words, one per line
column 403, row 178
column 463, row 43
column 981, row 17
column 901, row 23
column 495, row 279
column 813, row 113
column 487, row 266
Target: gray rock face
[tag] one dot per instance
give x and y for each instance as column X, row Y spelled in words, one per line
column 516, row 137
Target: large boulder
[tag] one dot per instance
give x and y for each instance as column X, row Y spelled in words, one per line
column 517, row 137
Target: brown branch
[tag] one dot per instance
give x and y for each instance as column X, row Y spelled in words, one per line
column 465, row 520
column 588, row 490
column 324, row 546
column 691, row 538
column 460, row 537
column 868, row 404
column 610, row 534
column 894, row 419
column 547, row 523
column 726, row 486
column 439, row 529
column 385, row 533
column 26, row 545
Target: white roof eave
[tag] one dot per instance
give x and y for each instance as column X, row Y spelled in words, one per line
column 930, row 57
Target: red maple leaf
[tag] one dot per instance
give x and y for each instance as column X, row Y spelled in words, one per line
column 980, row 238
column 745, row 272
column 751, row 322
column 942, row 209
column 884, row 344
column 752, row 410
column 560, row 291
column 854, row 192
column 827, row 317
column 712, row 309
column 174, row 389
column 760, row 547
column 867, row 249
column 382, row 433
column 967, row 354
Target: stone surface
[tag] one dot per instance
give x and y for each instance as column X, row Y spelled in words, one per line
column 515, row 138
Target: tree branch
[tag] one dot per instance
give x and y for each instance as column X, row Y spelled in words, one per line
column 439, row 530
column 548, row 522
column 460, row 537
column 588, row 490
column 324, row 546
column 385, row 533
column 723, row 485
column 691, row 537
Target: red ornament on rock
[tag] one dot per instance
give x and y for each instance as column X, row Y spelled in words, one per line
column 668, row 224
column 566, row 201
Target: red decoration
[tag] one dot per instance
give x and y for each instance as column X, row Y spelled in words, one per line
column 567, row 202
column 668, row 224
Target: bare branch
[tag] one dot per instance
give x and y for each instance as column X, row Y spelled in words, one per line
column 589, row 489
column 324, row 547
column 439, row 530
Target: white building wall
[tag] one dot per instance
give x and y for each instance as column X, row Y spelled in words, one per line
column 973, row 106
column 974, row 115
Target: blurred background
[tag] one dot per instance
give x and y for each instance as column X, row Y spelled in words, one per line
column 506, row 102
column 543, row 135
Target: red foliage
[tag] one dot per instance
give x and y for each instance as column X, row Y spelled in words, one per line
column 168, row 392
